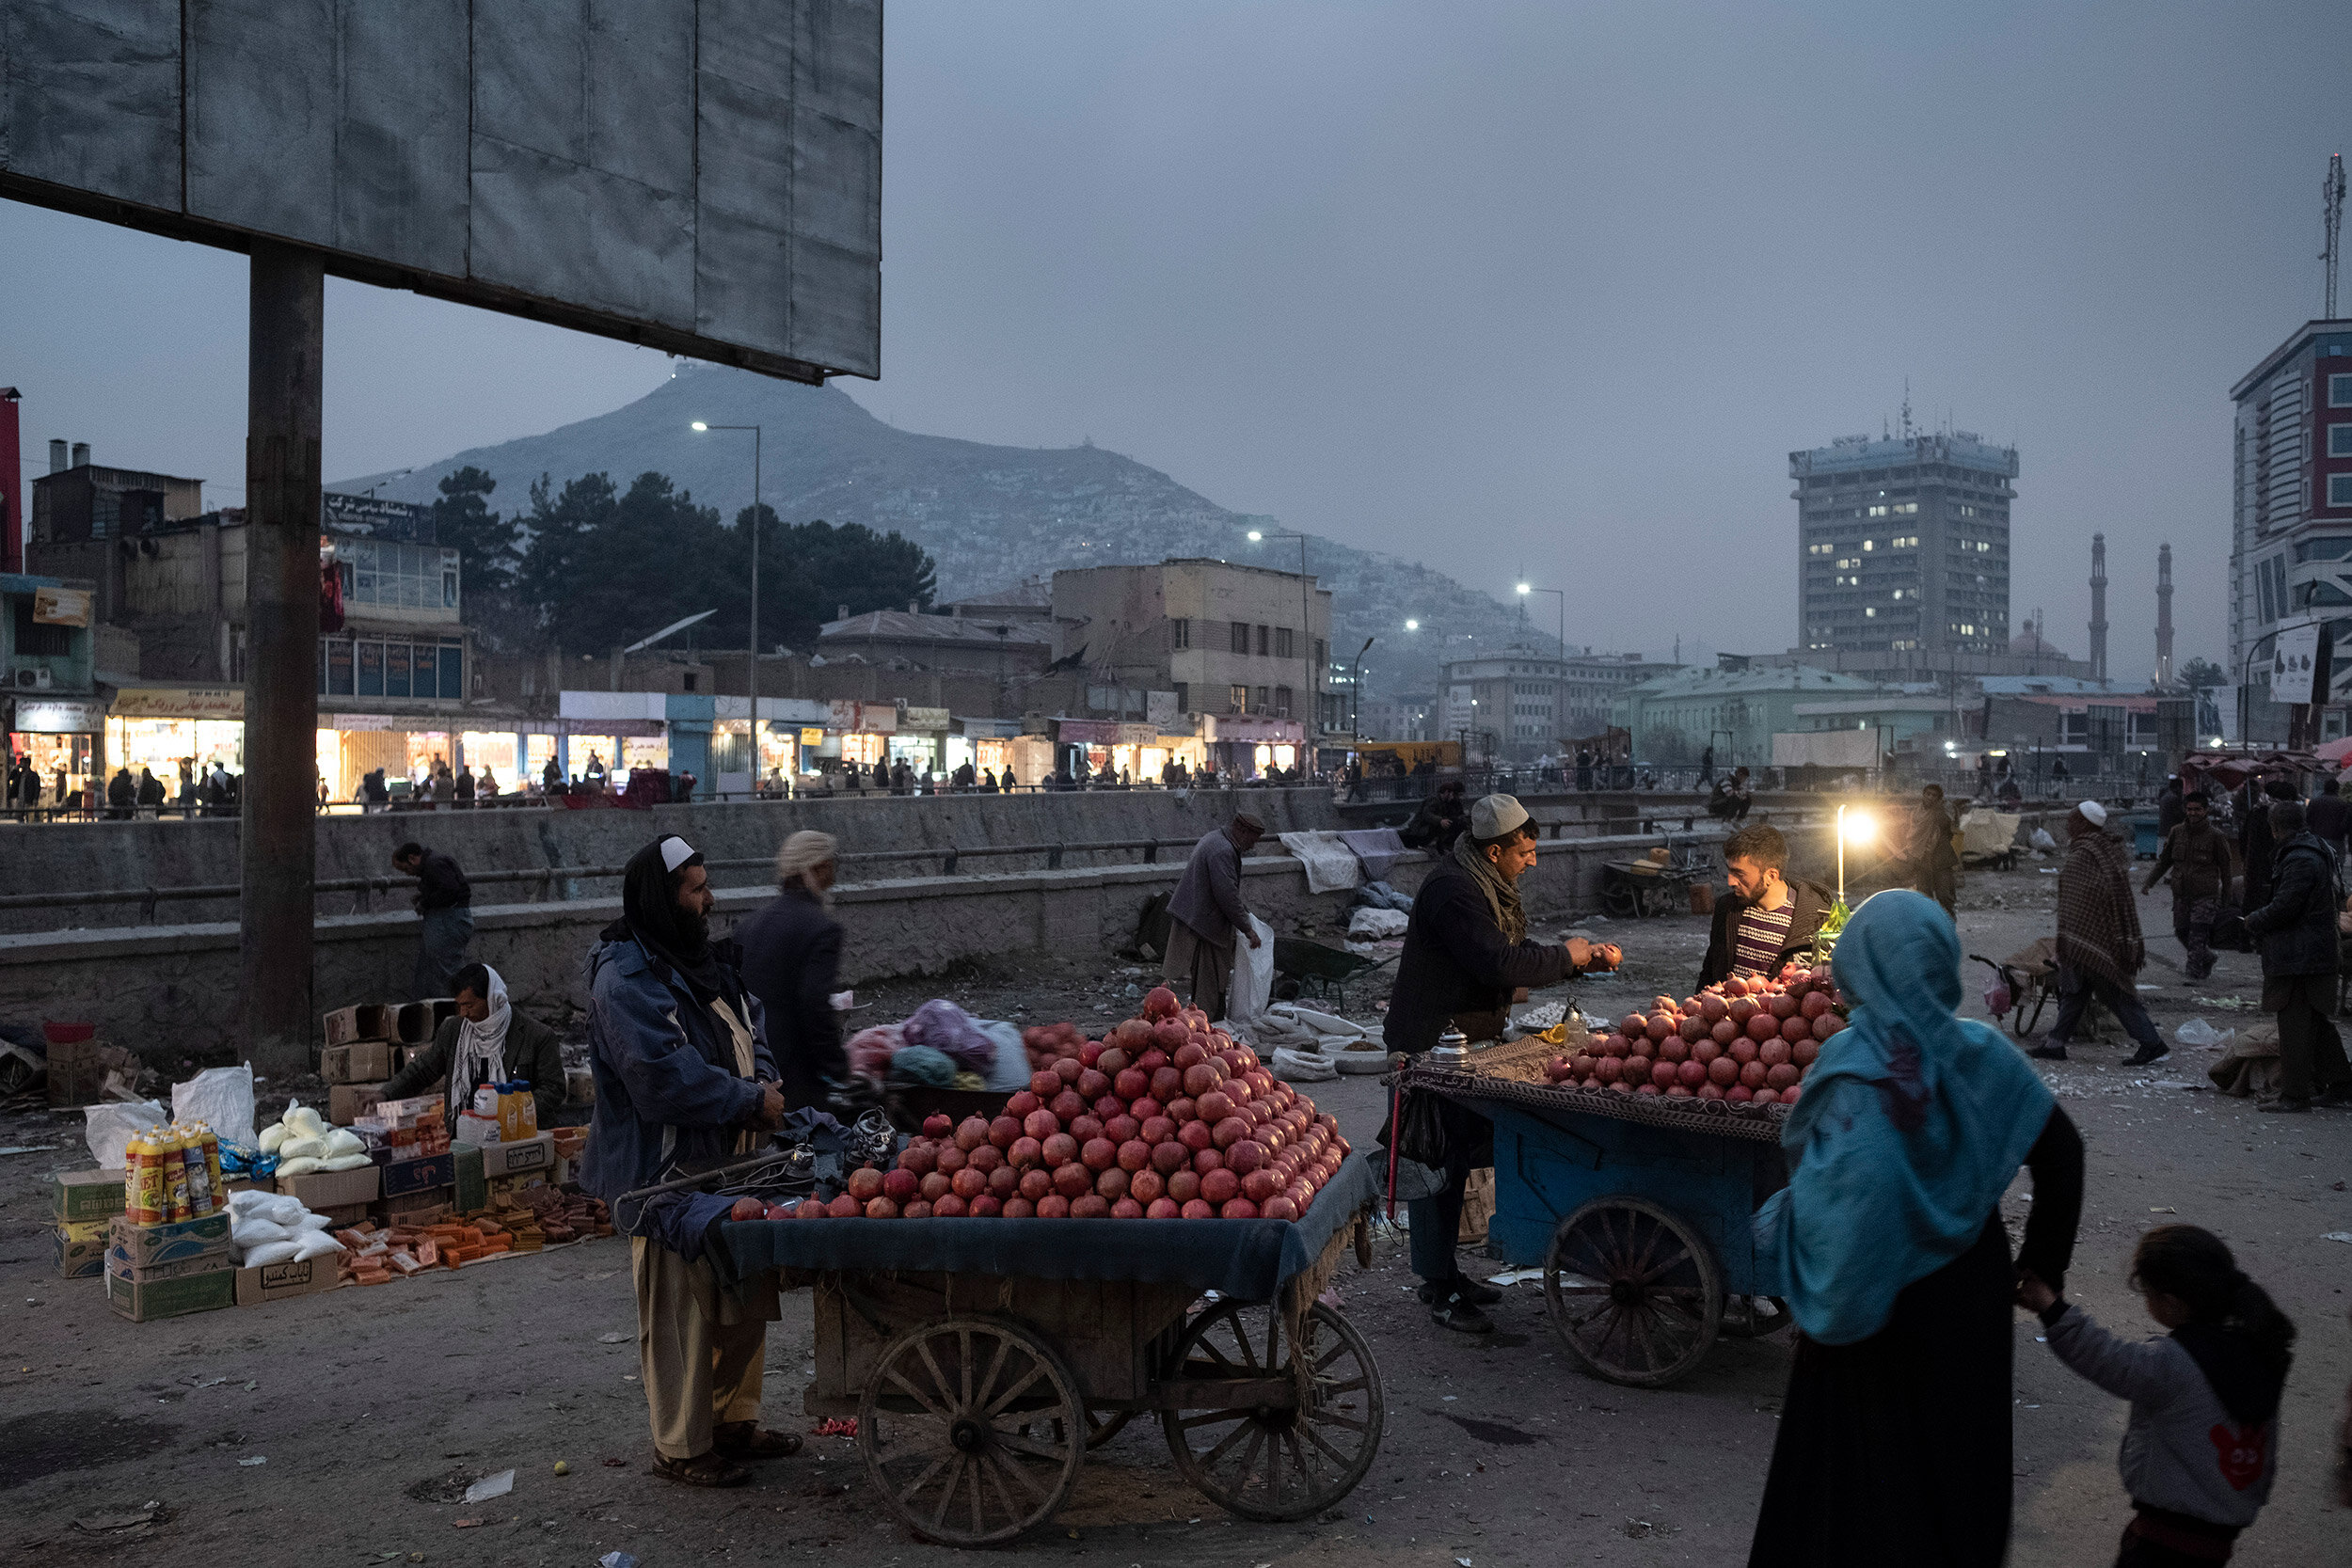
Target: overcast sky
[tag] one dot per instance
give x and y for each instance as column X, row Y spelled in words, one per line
column 1550, row 289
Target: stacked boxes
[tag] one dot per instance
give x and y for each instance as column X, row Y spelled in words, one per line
column 163, row 1270
column 357, row 1058
column 411, row 1141
column 83, row 1202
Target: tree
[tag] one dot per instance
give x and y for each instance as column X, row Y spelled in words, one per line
column 487, row 544
column 2200, row 674
column 808, row 571
column 606, row 567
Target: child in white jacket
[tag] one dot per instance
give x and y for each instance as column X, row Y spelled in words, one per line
column 2202, row 1449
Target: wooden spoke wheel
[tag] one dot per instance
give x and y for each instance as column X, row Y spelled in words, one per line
column 1753, row 1317
column 1278, row 1459
column 1634, row 1291
column 965, row 1427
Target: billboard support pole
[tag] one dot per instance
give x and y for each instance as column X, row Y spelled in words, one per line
column 278, row 843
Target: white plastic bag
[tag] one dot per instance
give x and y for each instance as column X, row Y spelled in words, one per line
column 314, row 1243
column 341, row 1141
column 222, row 1099
column 301, row 1148
column 283, row 1209
column 249, row 1200
column 345, row 1161
column 308, row 1222
column 1371, row 924
column 2196, row 1032
column 1253, row 974
column 303, row 1166
column 251, row 1231
column 270, row 1252
column 108, row 1127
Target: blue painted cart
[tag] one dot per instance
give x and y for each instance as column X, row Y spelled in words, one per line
column 1637, row 1210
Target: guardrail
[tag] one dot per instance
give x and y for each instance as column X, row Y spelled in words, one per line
column 553, row 881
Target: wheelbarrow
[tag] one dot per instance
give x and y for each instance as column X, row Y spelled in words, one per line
column 1631, row 890
column 2020, row 987
column 1328, row 968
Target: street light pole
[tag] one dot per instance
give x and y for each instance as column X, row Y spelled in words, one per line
column 1355, row 692
column 755, row 630
column 1306, row 630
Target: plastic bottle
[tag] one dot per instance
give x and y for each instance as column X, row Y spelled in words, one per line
column 510, row 1114
column 526, row 1109
column 142, row 1180
column 203, row 1196
column 211, row 1166
column 172, row 1158
column 485, row 1100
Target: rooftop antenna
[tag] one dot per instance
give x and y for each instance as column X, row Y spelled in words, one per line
column 1906, row 409
column 2331, row 224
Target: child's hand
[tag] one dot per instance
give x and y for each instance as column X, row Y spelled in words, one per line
column 2032, row 1294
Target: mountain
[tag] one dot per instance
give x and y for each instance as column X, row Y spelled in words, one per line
column 989, row 515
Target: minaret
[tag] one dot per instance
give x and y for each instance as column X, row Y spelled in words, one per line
column 2098, row 607
column 2164, row 616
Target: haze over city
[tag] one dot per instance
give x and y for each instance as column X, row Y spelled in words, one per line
column 1562, row 286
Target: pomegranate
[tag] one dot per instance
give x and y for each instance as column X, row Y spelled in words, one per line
column 1637, row 1070
column 1208, row 1160
column 1163, row 1209
column 1036, row 1182
column 1706, row 1051
column 1023, row 1104
column 1722, row 1070
column 934, row 1187
column 1112, row 1061
column 968, row 1184
column 1113, row 1183
column 1073, row 1181
column 1673, row 1050
column 1762, row 1028
column 749, row 1208
column 1196, row 1135
column 1002, row 1130
column 1183, row 1185
column 1780, row 1075
column 1816, row 1003
column 1609, row 1070
column 1146, row 1184
column 1084, row 1126
column 879, row 1208
column 1693, row 1029
column 1659, row 1025
column 1713, row 1008
column 1742, row 1050
column 919, row 1210
column 1044, row 1085
column 1067, row 1069
column 1004, row 1181
column 1053, row 1207
column 1280, row 1207
column 1098, row 1154
column 1690, row 1075
column 865, row 1184
column 902, row 1185
column 1826, row 1025
column 1781, row 1005
column 1067, row 1107
column 1751, row 1073
column 1131, row 1084
column 1229, row 1131
column 1220, row 1186
column 1198, row 1209
column 811, row 1208
column 1772, row 1052
column 951, row 1160
column 845, row 1207
column 918, row 1157
column 1740, row 1009
column 1765, row 1097
column 1169, row 1156
column 1119, row 1128
column 1617, row 1045
column 1803, row 1052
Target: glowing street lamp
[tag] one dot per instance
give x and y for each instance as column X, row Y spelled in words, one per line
column 1858, row 828
column 1412, row 626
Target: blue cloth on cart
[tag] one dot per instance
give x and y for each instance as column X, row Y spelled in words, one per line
column 1244, row 1259
column 1912, row 1123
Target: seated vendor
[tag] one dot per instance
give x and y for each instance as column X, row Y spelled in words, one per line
column 1465, row 959
column 1768, row 918
column 486, row 1042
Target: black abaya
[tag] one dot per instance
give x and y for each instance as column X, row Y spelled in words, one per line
column 1896, row 1449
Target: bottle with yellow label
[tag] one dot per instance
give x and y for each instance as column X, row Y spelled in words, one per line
column 201, row 1201
column 172, row 1157
column 211, row 1166
column 143, row 1179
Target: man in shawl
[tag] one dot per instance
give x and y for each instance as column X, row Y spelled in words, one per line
column 1207, row 915
column 2297, row 932
column 486, row 1042
column 683, row 1080
column 2200, row 862
column 1465, row 959
column 791, row 961
column 2100, row 950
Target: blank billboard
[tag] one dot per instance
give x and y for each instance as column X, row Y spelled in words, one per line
column 700, row 176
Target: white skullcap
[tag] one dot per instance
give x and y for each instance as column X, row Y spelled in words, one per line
column 1494, row 816
column 676, row 853
column 2096, row 813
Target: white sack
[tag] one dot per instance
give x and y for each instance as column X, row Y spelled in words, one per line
column 222, row 1099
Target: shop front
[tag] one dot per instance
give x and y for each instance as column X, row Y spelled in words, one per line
column 1250, row 748
column 62, row 736
column 921, row 741
column 987, row 744
column 161, row 728
column 864, row 731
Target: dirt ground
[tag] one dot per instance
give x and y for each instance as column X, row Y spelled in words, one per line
column 336, row 1428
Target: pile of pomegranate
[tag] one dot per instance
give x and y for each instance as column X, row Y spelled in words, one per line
column 1164, row 1117
column 1052, row 1042
column 1748, row 1040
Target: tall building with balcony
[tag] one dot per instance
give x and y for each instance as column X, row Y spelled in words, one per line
column 1902, row 547
column 2291, row 503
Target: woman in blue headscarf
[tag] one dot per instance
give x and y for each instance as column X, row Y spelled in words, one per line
column 1893, row 1442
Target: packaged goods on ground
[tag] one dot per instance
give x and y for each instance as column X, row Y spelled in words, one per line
column 84, row 1195
column 347, row 1102
column 81, row 1248
column 360, row 1062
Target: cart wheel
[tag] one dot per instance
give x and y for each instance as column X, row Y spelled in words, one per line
column 1633, row 1290
column 1753, row 1317
column 964, row 1428
column 1276, row 1463
column 1620, row 900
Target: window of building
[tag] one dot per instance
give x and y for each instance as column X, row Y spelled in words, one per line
column 2340, row 440
column 1179, row 634
column 1869, row 544
column 1877, row 511
column 1285, row 642
column 1908, row 542
column 1906, row 507
column 1870, row 614
column 1237, row 698
column 1282, row 701
column 39, row 638
column 2340, row 391
column 1323, row 653
column 1265, row 636
column 2325, row 550
column 2340, row 489
column 1184, row 696
column 1261, row 699
column 1241, row 640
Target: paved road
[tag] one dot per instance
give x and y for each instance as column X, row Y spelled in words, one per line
column 1498, row 1451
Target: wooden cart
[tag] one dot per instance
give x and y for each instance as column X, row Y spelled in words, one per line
column 1637, row 1210
column 977, row 1393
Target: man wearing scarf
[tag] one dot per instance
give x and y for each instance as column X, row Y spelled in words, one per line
column 791, row 961
column 1466, row 958
column 683, row 1079
column 1207, row 915
column 488, row 1041
column 2100, row 949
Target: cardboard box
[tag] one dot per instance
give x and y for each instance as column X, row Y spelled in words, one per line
column 417, row 1019
column 415, row 1210
column 1478, row 1207
column 359, row 1062
column 341, row 1214
column 368, row 1021
column 223, row 1261
column 514, row 1159
column 84, row 1195
column 142, row 1301
column 78, row 1071
column 322, row 1189
column 284, row 1281
column 347, row 1102
column 81, row 1249
column 402, row 1177
column 156, row 1246
column 404, row 1054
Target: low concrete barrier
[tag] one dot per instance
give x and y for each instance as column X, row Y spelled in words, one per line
column 169, row 991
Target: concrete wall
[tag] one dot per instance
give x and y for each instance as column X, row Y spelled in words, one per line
column 58, row 861
column 170, row 992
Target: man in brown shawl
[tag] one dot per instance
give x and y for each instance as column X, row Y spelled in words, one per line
column 2100, row 949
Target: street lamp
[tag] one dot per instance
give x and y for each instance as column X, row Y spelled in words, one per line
column 1859, row 828
column 1526, row 589
column 1412, row 626
column 700, row 427
column 1307, row 627
column 1355, row 691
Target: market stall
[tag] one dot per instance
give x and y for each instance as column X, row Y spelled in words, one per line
column 1627, row 1167
column 1130, row 1177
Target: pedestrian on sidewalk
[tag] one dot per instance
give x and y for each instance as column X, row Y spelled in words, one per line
column 2202, row 1449
column 792, row 962
column 2100, row 948
column 1894, row 1441
column 2329, row 814
column 1934, row 864
column 123, row 796
column 2200, row 862
column 445, row 898
column 1207, row 913
column 2297, row 933
column 683, row 1079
